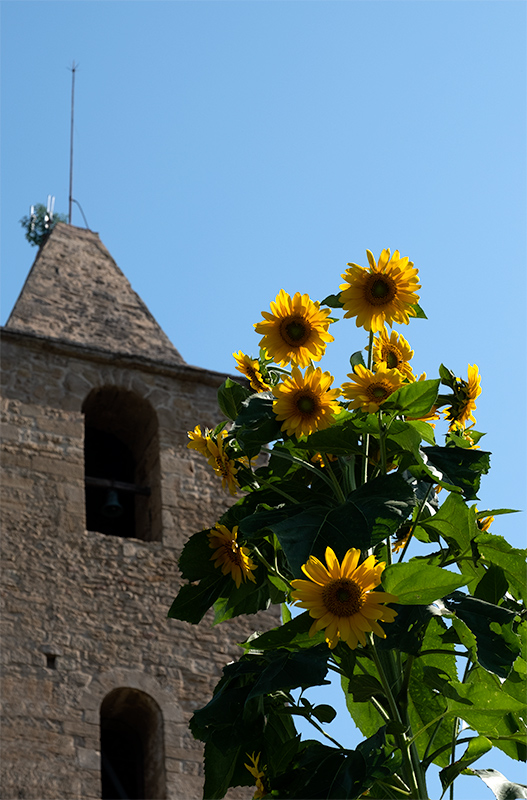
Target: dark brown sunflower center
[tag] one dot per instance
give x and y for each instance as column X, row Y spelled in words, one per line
column 380, row 290
column 378, row 392
column 342, row 597
column 306, row 404
column 222, row 466
column 392, row 359
column 232, row 551
column 295, row 331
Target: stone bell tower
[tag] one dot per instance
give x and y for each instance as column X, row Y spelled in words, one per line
column 99, row 494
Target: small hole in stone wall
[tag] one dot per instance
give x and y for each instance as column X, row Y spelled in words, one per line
column 51, row 661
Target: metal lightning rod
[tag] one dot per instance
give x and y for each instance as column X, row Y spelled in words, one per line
column 73, row 68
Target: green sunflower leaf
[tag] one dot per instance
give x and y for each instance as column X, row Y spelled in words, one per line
column 287, row 670
column 256, row 423
column 406, row 632
column 496, row 550
column 477, row 747
column 413, row 399
column 418, row 312
column 332, row 301
column 497, row 644
column 293, row 635
column 492, row 712
column 492, row 586
column 462, row 468
column 415, row 583
column 195, row 559
column 231, row 396
column 342, row 438
column 194, row 600
column 356, row 359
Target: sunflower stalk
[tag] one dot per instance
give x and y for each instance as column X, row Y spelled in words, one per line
column 416, row 521
column 366, row 443
column 336, row 485
column 272, row 570
column 413, row 772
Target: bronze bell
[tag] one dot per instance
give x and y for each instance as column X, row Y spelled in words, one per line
column 112, row 507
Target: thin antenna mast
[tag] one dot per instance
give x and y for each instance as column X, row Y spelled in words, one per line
column 73, row 68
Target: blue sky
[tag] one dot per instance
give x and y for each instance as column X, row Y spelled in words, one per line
column 226, row 150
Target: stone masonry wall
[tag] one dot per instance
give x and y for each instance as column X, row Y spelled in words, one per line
column 97, row 603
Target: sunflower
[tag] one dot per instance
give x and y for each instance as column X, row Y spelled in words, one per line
column 401, row 538
column 198, row 441
column 251, row 369
column 369, row 390
column 230, row 556
column 221, row 463
column 340, row 597
column 393, row 352
column 296, row 331
column 257, row 774
column 464, row 399
column 305, row 403
column 483, row 523
column 382, row 294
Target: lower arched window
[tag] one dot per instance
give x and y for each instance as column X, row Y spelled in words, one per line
column 132, row 746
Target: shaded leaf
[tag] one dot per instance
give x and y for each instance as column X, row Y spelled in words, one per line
column 492, row 586
column 496, row 550
column 256, row 423
column 293, row 635
column 497, row 645
column 194, row 600
column 231, row 396
column 462, row 468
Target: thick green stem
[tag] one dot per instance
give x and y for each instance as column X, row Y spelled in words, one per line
column 455, row 731
column 382, row 443
column 416, row 521
column 336, row 485
column 366, row 443
column 412, row 771
column 269, row 567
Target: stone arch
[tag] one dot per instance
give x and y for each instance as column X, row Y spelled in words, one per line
column 132, row 746
column 121, row 460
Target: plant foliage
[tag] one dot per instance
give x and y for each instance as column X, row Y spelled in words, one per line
column 441, row 679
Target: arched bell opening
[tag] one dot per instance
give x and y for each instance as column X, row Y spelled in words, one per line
column 121, row 465
column 132, row 746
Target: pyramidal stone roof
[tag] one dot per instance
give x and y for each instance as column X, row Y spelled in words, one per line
column 76, row 293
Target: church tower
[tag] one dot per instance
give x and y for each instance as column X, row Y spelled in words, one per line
column 99, row 494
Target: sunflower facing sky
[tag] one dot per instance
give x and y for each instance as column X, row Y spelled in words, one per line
column 251, row 369
column 305, row 403
column 340, row 599
column 368, row 390
column 394, row 352
column 382, row 294
column 296, row 331
column 464, row 402
column 229, row 556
